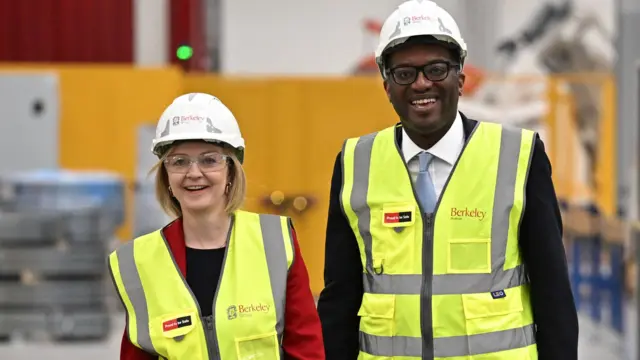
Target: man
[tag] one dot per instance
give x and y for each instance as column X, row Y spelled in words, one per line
column 444, row 237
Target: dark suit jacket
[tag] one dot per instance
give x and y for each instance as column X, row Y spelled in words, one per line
column 540, row 243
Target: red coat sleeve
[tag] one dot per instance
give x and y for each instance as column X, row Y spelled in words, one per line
column 128, row 351
column 302, row 338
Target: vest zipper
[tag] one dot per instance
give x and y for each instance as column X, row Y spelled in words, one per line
column 207, row 322
column 210, row 336
column 212, row 341
column 426, row 323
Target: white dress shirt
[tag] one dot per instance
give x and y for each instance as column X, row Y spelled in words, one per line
column 445, row 154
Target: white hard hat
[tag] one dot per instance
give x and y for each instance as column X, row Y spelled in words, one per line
column 197, row 116
column 419, row 18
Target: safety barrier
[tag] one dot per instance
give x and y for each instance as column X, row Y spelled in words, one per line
column 596, row 246
column 294, row 128
column 581, row 134
column 595, row 236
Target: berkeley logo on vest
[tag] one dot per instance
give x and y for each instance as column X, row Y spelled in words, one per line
column 466, row 213
column 176, row 323
column 234, row 311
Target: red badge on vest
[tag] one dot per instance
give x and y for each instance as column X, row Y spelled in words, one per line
column 398, row 215
column 176, row 323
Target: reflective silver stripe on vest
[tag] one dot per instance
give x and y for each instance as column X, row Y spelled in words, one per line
column 276, row 257
column 277, row 264
column 451, row 346
column 443, row 284
column 361, row 165
column 133, row 287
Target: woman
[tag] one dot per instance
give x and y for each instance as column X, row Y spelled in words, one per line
column 213, row 283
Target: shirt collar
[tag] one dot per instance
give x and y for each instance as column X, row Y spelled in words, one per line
column 448, row 148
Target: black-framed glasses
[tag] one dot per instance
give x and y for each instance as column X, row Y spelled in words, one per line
column 434, row 72
column 208, row 162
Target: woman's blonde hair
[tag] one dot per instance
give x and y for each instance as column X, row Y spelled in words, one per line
column 235, row 192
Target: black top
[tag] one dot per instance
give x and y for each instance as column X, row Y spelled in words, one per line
column 203, row 272
column 542, row 251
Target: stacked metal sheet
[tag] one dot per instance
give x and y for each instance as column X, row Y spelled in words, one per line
column 53, row 245
column 67, row 190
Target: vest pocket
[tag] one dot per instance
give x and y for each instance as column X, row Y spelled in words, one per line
column 393, row 233
column 377, row 313
column 469, row 256
column 258, row 347
column 485, row 314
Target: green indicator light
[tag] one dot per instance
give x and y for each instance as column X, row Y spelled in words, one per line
column 184, row 52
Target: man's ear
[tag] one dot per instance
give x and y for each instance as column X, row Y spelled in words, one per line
column 461, row 78
column 387, row 88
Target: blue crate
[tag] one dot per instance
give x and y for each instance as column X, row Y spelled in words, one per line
column 68, row 191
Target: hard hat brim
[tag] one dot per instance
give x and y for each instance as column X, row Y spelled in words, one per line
column 397, row 44
column 420, row 39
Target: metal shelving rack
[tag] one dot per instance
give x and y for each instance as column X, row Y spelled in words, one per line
column 54, row 241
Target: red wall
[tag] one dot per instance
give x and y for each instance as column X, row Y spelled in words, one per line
column 188, row 28
column 66, row 31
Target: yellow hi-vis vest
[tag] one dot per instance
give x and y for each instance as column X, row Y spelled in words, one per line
column 164, row 318
column 448, row 285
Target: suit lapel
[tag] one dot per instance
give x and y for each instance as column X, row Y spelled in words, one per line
column 468, row 125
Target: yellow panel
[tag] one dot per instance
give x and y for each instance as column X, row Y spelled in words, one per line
column 336, row 109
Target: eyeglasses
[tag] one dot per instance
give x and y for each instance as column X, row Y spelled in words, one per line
column 435, row 71
column 209, row 162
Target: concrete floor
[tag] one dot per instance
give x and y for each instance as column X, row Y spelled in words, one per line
column 595, row 344
column 107, row 350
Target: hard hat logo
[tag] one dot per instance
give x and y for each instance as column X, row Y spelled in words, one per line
column 417, row 19
column 188, row 118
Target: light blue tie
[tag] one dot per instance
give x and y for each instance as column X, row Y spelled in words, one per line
column 424, row 185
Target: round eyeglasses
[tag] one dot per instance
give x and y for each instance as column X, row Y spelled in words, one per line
column 434, row 72
column 209, row 162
